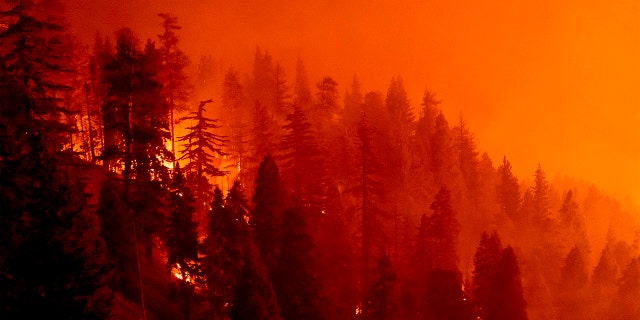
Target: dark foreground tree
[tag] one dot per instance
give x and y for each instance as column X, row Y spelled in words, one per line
column 53, row 261
column 626, row 304
column 294, row 280
column 224, row 256
column 201, row 149
column 506, row 300
column 379, row 301
column 266, row 218
column 254, row 297
column 182, row 240
column 485, row 261
column 572, row 292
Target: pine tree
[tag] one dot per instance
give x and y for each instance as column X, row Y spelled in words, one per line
column 326, row 105
column 440, row 145
column 508, row 192
column 425, row 130
column 603, row 284
column 301, row 163
column 174, row 79
column 224, row 254
column 574, row 278
column 54, row 261
column 506, row 300
column 201, row 149
column 266, row 217
column 605, row 272
column 264, row 83
column 400, row 134
column 116, row 228
column 182, row 240
column 467, row 156
column 626, row 304
column 254, row 296
column 380, row 301
column 36, row 71
column 442, row 232
column 368, row 190
column 353, row 99
column 282, row 95
column 444, row 297
column 485, row 261
column 294, row 281
column 135, row 115
column 302, row 92
column 234, row 117
column 573, row 224
column 540, row 195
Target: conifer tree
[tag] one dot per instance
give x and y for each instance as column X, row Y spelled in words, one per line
column 254, row 296
column 603, row 284
column 201, row 148
column 540, row 195
column 301, row 162
column 368, row 191
column 425, row 130
column 326, row 104
column 466, row 157
column 282, row 93
column 174, row 80
column 294, row 281
column 485, row 261
column 116, row 228
column 508, row 191
column 380, row 301
column 506, row 300
column 36, row 69
column 572, row 293
column 440, row 145
column 400, row 133
column 234, row 117
column 266, row 217
column 444, row 297
column 573, row 224
column 353, row 99
column 224, row 254
column 626, row 304
column 302, row 92
column 182, row 239
column 605, row 272
column 54, row 262
column 442, row 231
column 182, row 242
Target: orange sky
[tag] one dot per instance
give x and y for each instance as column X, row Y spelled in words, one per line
column 555, row 82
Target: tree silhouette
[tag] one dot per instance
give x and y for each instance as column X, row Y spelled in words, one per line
column 266, row 217
column 201, row 149
column 485, row 261
column 508, row 191
column 182, row 239
column 175, row 88
column 506, row 300
column 379, row 301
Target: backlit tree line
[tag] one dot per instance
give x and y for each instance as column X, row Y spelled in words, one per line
column 124, row 196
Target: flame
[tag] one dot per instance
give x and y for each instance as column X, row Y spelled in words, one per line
column 178, row 275
column 358, row 310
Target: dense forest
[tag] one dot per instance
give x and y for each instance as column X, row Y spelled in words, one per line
column 131, row 188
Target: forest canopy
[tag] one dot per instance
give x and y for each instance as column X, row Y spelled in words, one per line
column 139, row 182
